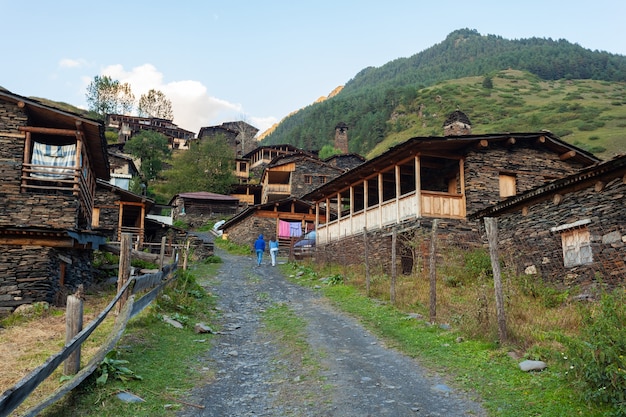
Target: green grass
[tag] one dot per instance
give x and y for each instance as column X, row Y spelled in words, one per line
column 576, row 111
column 164, row 357
column 478, row 366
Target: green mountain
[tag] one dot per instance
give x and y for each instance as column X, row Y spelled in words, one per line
column 502, row 85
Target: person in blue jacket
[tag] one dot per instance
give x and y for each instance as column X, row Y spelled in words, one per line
column 259, row 247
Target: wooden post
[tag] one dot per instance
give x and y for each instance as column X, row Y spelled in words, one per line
column 367, row 262
column 491, row 227
column 392, row 290
column 124, row 268
column 432, row 261
column 186, row 255
column 162, row 253
column 73, row 326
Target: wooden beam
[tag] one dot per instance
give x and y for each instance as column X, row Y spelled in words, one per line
column 52, row 242
column 482, row 144
column 541, row 140
column 567, row 155
column 49, row 131
column 599, row 186
column 510, row 141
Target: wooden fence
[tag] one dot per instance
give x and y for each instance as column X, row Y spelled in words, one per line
column 129, row 290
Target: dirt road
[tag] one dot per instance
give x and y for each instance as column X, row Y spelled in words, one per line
column 358, row 375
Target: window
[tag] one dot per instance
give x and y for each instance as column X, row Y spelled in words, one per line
column 576, row 247
column 323, row 179
column 576, row 243
column 308, row 179
column 507, row 185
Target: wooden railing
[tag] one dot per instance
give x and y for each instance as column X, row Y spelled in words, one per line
column 128, row 308
column 433, row 204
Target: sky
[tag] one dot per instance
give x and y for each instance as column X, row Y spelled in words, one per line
column 258, row 60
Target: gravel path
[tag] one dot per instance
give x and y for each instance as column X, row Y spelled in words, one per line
column 358, row 376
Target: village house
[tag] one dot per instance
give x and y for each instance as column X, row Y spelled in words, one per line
column 294, row 175
column 118, row 211
column 571, row 231
column 123, row 169
column 197, row 208
column 50, row 162
column 239, row 135
column 129, row 126
column 275, row 218
column 426, row 178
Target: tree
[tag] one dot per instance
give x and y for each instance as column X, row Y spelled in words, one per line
column 327, row 151
column 155, row 104
column 107, row 96
column 206, row 166
column 152, row 148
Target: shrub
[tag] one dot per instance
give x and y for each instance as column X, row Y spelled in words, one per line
column 597, row 362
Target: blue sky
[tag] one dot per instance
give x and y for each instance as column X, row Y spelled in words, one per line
column 258, row 61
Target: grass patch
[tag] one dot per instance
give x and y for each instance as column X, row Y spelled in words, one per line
column 163, row 356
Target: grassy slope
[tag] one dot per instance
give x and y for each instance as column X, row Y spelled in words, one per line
column 589, row 114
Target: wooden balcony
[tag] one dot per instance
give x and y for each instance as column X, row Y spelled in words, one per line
column 432, row 204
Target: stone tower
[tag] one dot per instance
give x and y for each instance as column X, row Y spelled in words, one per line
column 341, row 137
column 457, row 124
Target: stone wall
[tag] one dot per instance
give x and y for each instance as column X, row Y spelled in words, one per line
column 529, row 244
column 351, row 250
column 33, row 273
column 306, row 167
column 247, row 231
column 531, row 168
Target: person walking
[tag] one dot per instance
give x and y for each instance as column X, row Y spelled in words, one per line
column 259, row 247
column 273, row 250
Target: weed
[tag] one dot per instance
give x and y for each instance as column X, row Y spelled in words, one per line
column 114, row 368
column 598, row 358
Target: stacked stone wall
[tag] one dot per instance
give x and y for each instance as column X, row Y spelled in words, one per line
column 530, row 166
column 536, row 250
column 33, row 273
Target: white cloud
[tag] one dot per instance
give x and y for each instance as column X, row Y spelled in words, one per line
column 72, row 63
column 192, row 104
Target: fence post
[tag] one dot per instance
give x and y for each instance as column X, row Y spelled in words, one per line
column 73, row 326
column 491, row 227
column 162, row 253
column 367, row 262
column 394, row 243
column 124, row 269
column 186, row 255
column 432, row 262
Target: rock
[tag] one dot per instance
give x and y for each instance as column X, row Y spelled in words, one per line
column 202, row 328
column 172, row 322
column 528, row 365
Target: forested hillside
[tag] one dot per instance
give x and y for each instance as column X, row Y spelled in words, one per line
column 502, row 85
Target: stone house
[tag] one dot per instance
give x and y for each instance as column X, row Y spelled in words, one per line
column 123, row 169
column 266, row 219
column 426, row 178
column 196, row 208
column 294, row 175
column 571, row 231
column 128, row 126
column 118, row 211
column 239, row 135
column 50, row 162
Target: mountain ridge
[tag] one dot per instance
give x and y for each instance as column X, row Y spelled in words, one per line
column 369, row 99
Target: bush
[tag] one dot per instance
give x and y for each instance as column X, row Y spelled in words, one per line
column 597, row 363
